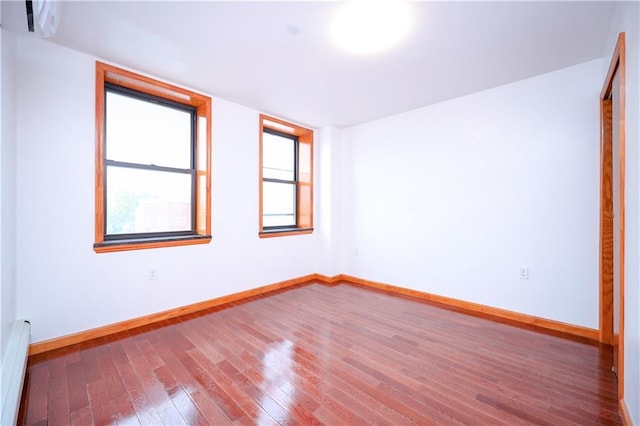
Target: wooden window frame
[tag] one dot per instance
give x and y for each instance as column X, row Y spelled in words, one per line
column 106, row 73
column 304, row 178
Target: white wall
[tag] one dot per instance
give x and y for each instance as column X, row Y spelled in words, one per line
column 330, row 218
column 8, row 292
column 65, row 287
column 627, row 19
column 453, row 198
column 3, row 331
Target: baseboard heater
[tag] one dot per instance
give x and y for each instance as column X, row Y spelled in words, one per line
column 14, row 365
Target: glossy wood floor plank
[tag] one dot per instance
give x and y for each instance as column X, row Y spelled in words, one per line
column 323, row 355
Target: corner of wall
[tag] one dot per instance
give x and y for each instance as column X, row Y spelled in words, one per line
column 329, row 210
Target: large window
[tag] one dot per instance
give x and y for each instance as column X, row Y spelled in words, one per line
column 286, row 178
column 152, row 163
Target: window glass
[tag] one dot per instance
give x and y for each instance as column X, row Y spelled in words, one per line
column 139, row 131
column 278, row 157
column 279, row 204
column 147, row 201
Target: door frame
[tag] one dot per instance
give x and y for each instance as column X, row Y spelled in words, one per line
column 607, row 239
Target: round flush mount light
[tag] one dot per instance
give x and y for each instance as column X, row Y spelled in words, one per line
column 367, row 27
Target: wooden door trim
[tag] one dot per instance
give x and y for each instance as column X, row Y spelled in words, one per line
column 617, row 66
column 606, row 224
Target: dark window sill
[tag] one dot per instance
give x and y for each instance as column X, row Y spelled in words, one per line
column 149, row 243
column 281, row 232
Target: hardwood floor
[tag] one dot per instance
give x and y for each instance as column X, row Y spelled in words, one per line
column 322, row 354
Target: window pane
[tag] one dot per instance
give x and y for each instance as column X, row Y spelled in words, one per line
column 278, row 204
column 278, row 220
column 143, row 132
column 278, row 157
column 140, row 201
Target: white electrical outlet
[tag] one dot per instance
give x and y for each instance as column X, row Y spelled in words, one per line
column 524, row 273
column 152, row 274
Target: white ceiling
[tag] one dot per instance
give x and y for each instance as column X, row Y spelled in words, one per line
column 243, row 52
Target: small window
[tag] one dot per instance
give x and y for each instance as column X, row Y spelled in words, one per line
column 286, row 178
column 152, row 163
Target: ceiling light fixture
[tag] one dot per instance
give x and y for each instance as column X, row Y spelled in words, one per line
column 367, row 27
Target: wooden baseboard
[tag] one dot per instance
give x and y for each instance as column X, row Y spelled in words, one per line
column 325, row 279
column 478, row 309
column 109, row 329
column 460, row 305
column 624, row 413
